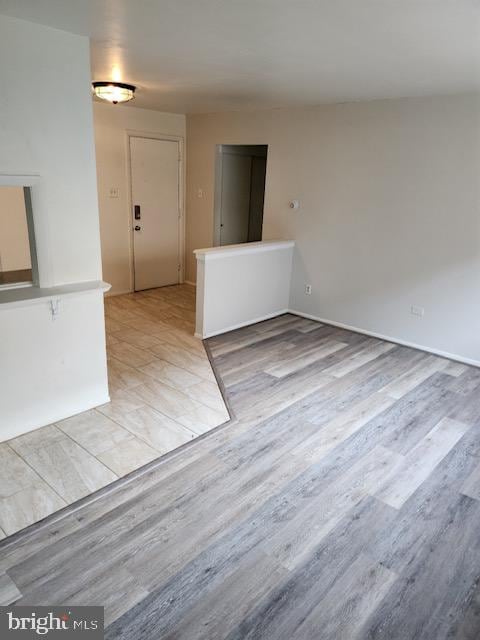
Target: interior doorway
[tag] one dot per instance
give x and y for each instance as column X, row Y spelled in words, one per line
column 156, row 211
column 239, row 193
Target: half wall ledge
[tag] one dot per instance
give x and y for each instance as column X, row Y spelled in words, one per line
column 242, row 284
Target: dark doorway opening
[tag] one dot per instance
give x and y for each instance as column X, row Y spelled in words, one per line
column 239, row 193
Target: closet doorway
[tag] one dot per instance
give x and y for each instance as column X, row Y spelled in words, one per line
column 239, row 193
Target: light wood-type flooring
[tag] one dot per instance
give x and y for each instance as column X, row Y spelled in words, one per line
column 163, row 394
column 342, row 502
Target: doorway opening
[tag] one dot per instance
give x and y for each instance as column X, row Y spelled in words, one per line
column 239, row 193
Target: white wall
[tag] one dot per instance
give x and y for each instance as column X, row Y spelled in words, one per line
column 14, row 243
column 241, row 284
column 389, row 215
column 51, row 368
column 46, row 128
column 111, row 126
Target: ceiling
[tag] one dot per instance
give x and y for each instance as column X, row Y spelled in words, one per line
column 214, row 55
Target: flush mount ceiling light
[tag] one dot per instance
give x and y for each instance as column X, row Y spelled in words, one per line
column 113, row 91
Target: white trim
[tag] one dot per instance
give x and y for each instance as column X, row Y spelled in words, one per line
column 25, row 296
column 156, row 135
column 128, row 165
column 226, row 251
column 16, row 285
column 58, row 416
column 132, row 133
column 269, row 316
column 341, row 325
column 18, row 180
column 217, row 195
column 373, row 334
column 112, row 294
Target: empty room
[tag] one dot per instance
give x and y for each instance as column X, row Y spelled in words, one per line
column 240, row 319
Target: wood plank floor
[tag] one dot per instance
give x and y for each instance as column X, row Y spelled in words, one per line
column 342, row 502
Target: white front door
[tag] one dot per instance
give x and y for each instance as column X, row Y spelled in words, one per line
column 156, row 213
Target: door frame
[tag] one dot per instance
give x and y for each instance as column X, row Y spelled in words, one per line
column 217, row 196
column 130, row 133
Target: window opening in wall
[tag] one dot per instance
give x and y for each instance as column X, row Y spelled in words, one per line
column 17, row 243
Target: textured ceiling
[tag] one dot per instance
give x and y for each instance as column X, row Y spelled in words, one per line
column 213, row 55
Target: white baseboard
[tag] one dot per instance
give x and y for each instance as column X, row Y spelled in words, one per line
column 404, row 343
column 112, row 294
column 67, row 411
column 269, row 316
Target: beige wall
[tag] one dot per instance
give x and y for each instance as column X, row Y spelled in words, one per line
column 389, row 210
column 111, row 126
column 14, row 243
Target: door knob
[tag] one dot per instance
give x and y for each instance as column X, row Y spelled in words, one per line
column 137, row 228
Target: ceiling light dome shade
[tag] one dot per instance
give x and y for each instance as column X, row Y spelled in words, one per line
column 114, row 92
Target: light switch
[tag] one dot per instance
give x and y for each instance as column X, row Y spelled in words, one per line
column 417, row 311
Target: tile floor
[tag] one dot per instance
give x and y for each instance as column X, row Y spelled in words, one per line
column 163, row 394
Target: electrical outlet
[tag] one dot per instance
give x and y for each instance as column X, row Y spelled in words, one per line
column 308, row 289
column 417, row 311
column 113, row 192
column 55, row 308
